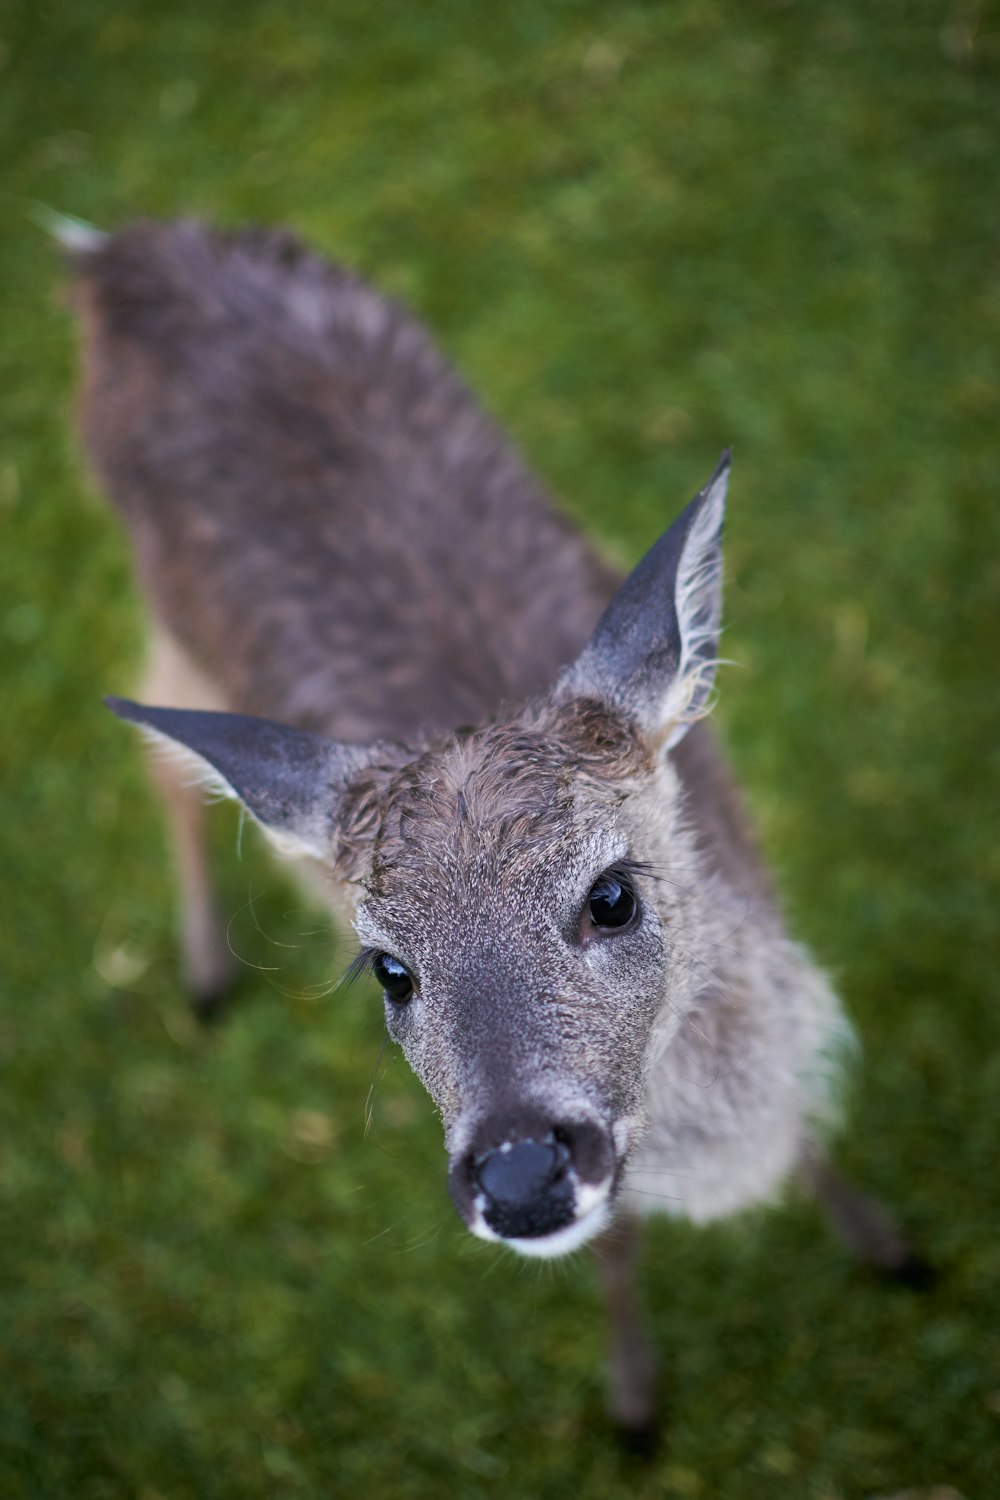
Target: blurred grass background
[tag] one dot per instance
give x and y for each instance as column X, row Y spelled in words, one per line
column 642, row 231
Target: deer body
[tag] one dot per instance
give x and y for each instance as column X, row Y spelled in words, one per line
column 583, row 959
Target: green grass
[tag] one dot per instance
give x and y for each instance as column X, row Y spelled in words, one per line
column 643, row 231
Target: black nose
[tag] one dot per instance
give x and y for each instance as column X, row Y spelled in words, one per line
column 527, row 1188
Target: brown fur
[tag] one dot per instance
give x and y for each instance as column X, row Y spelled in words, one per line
column 506, row 786
column 407, row 573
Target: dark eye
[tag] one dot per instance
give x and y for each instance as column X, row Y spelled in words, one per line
column 393, row 976
column 612, row 901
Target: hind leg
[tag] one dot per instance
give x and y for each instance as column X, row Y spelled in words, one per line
column 207, row 965
column 861, row 1222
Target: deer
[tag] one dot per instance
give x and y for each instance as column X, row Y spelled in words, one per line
column 487, row 751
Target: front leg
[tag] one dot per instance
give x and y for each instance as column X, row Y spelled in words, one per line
column 632, row 1365
column 209, row 967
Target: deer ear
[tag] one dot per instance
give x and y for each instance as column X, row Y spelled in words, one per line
column 653, row 653
column 288, row 779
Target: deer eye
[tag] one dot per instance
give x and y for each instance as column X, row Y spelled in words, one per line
column 612, row 901
column 394, row 977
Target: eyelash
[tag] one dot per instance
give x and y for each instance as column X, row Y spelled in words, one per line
column 359, row 966
column 629, row 868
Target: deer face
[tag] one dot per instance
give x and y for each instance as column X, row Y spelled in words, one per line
column 510, row 910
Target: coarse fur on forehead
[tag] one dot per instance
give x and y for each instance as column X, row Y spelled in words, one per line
column 507, row 794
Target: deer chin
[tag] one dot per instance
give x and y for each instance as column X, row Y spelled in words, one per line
column 593, row 1215
column 564, row 1241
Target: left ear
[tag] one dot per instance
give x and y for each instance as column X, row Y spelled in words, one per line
column 292, row 781
column 653, row 654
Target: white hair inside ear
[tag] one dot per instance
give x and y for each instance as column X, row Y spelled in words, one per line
column 289, row 780
column 653, row 654
column 698, row 603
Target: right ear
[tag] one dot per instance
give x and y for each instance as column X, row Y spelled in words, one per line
column 290, row 780
column 654, row 651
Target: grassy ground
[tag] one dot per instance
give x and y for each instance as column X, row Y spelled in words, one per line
column 643, row 231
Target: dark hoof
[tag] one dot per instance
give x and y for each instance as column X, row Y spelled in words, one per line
column 211, row 987
column 642, row 1442
column 912, row 1273
column 212, row 1005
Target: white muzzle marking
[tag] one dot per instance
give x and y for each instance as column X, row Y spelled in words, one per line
column 593, row 1207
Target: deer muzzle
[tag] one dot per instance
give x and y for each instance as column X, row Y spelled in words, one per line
column 543, row 1189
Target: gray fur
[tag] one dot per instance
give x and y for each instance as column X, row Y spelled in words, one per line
column 330, row 533
column 289, row 779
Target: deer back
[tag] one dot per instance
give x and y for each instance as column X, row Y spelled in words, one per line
column 323, row 517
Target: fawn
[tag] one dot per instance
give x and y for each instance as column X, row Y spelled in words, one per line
column 346, row 566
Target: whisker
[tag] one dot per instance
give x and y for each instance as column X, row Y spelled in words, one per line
column 381, row 1234
column 423, row 1237
column 658, row 1172
column 662, row 1197
column 275, row 942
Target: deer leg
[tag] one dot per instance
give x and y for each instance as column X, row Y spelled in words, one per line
column 207, row 965
column 862, row 1223
column 631, row 1371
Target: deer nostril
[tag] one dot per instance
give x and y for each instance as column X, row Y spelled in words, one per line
column 527, row 1188
column 519, row 1173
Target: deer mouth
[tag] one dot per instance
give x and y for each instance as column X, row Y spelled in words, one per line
column 586, row 1223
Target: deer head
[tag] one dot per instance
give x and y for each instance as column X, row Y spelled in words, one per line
column 510, row 888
